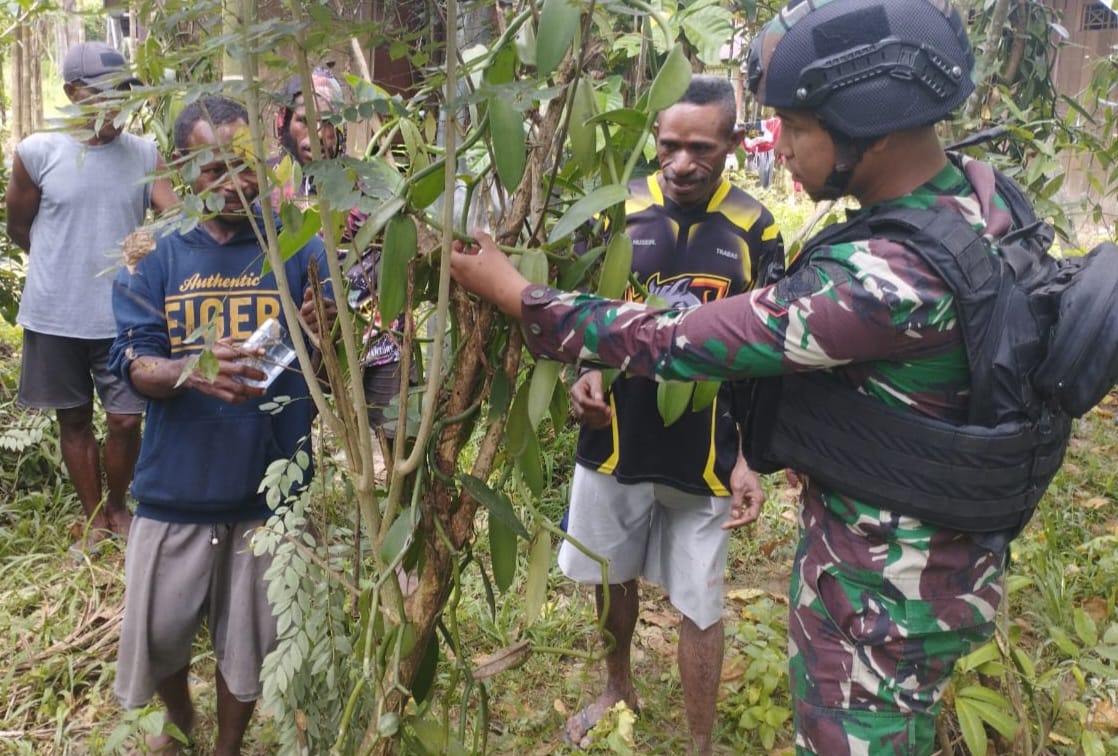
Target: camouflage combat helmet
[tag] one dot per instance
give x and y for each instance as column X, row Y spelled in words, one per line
column 866, row 68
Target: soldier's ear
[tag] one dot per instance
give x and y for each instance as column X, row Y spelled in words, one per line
column 879, row 144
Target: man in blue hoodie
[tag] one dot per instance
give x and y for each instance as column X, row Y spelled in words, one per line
column 206, row 443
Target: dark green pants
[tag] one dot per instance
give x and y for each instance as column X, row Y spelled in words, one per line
column 881, row 608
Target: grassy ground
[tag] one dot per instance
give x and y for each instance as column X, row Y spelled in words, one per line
column 1060, row 625
column 59, row 618
column 531, row 705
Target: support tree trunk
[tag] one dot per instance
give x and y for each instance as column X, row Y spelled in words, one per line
column 988, row 56
column 27, row 100
column 446, row 510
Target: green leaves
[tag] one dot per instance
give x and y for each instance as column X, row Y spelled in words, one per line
column 704, row 395
column 977, row 706
column 707, row 26
column 427, row 187
column 1085, row 627
column 400, row 248
column 502, row 552
column 398, row 538
column 506, row 127
column 572, row 273
column 614, row 279
column 530, row 466
column 672, row 400
column 518, row 428
column 296, row 231
column 506, row 123
column 281, row 476
column 523, row 443
column 539, row 566
column 415, row 144
column 671, row 81
column 583, row 136
column 376, row 221
column 558, row 25
column 533, row 266
column 431, row 735
column 497, row 504
column 586, row 208
column 545, row 376
column 534, row 401
column 504, row 528
column 207, row 366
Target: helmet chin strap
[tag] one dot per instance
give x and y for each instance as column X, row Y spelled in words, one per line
column 835, row 185
column 848, row 153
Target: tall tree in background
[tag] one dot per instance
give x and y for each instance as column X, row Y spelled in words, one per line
column 27, row 49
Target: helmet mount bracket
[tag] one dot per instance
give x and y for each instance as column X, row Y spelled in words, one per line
column 890, row 57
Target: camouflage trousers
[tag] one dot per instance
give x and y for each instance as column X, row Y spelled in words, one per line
column 882, row 606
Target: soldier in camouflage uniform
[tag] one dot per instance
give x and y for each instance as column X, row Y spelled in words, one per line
column 882, row 603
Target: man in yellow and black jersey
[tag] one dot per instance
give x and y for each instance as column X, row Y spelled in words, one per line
column 658, row 502
column 686, row 255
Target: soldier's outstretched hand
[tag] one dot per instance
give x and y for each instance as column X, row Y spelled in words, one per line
column 485, row 270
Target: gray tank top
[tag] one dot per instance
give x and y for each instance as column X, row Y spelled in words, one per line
column 92, row 197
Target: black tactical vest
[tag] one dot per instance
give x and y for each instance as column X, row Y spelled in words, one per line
column 984, row 476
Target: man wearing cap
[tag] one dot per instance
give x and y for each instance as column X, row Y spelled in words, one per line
column 74, row 194
column 908, row 505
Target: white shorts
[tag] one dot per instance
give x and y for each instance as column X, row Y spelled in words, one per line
column 669, row 537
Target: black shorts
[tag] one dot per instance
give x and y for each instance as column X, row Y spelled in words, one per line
column 59, row 372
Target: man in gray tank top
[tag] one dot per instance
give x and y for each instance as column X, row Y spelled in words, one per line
column 74, row 194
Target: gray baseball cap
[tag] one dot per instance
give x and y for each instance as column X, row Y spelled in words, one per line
column 97, row 65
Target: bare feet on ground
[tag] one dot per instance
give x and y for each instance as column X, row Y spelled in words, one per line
column 88, row 537
column 119, row 522
column 165, row 744
column 583, row 721
column 90, row 541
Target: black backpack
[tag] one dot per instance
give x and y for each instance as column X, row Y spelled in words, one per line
column 1076, row 301
column 1081, row 364
column 1050, row 337
column 1060, row 343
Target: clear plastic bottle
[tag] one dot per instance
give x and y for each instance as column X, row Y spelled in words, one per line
column 271, row 336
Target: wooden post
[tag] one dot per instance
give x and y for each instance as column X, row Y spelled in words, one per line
column 232, row 69
column 35, row 69
column 21, row 107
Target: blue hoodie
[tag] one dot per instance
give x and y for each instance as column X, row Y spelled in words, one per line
column 202, row 459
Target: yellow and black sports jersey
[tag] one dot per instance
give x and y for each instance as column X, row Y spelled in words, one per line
column 686, row 255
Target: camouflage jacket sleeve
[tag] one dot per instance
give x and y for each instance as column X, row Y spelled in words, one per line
column 868, row 305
